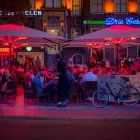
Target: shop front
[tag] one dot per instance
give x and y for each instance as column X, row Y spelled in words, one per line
column 94, row 23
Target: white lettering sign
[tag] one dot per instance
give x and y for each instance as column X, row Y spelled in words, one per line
column 27, row 13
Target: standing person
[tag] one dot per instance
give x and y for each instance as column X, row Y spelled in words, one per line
column 91, row 63
column 38, row 62
column 107, row 63
column 128, row 62
column 26, row 65
column 62, row 80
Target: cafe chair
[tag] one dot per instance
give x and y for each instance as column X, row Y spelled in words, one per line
column 11, row 89
column 74, row 91
column 28, row 91
column 37, row 94
column 90, row 87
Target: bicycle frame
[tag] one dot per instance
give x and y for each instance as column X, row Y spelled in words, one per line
column 116, row 97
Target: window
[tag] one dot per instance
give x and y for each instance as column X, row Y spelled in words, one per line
column 138, row 6
column 132, row 51
column 30, row 22
column 139, row 51
column 120, row 6
column 75, row 32
column 76, row 8
column 3, row 20
column 109, row 53
column 32, row 3
column 97, row 6
column 53, row 22
column 53, row 4
column 95, row 29
column 77, row 59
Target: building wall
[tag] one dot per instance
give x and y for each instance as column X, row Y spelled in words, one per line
column 71, row 25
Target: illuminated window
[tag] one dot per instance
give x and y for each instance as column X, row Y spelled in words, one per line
column 97, row 6
column 53, row 3
column 120, row 6
column 76, row 8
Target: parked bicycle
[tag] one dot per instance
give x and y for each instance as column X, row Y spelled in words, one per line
column 128, row 94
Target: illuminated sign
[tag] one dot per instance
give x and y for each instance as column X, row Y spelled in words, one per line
column 114, row 21
column 119, row 21
column 5, row 50
column 27, row 13
column 91, row 22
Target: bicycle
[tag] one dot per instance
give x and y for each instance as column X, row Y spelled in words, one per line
column 127, row 94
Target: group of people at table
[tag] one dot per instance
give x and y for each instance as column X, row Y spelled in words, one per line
column 47, row 81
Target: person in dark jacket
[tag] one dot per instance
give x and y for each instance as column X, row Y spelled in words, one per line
column 62, row 81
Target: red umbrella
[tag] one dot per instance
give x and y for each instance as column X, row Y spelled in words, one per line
column 14, row 35
column 115, row 34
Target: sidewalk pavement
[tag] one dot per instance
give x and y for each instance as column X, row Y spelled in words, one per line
column 71, row 112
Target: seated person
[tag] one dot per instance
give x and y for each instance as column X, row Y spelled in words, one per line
column 90, row 76
column 43, row 88
column 42, row 76
column 138, row 71
column 5, row 77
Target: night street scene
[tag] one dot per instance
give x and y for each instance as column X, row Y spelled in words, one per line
column 69, row 69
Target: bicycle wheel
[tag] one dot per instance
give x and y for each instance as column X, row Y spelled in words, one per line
column 130, row 96
column 100, row 97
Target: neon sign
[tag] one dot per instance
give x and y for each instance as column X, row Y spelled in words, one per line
column 91, row 22
column 119, row 21
column 113, row 21
column 5, row 50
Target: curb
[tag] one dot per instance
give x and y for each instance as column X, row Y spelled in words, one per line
column 67, row 119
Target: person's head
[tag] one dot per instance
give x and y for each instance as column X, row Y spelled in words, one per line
column 90, row 69
column 31, row 70
column 36, row 72
column 58, row 56
column 138, row 70
column 123, row 68
column 84, row 70
column 41, row 72
column 37, row 57
column 6, row 73
column 107, row 69
column 133, row 72
column 69, row 71
column 91, row 59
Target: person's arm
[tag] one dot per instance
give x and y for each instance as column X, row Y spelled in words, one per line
column 38, row 82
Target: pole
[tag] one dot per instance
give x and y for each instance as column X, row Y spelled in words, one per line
column 10, row 63
column 96, row 56
column 117, row 56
